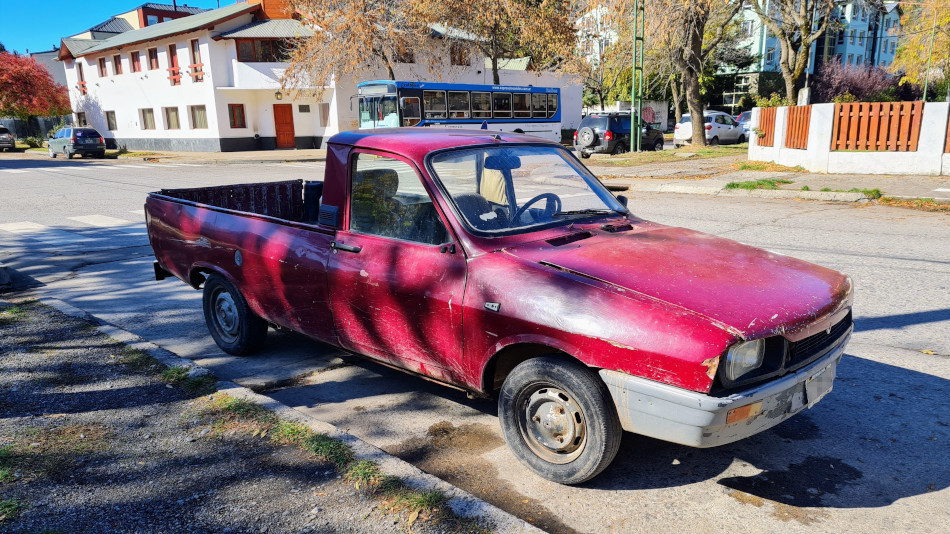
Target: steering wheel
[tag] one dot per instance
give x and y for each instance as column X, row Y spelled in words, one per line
column 553, row 205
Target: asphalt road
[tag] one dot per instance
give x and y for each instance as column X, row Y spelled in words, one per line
column 873, row 456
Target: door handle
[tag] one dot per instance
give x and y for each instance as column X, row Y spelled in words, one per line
column 347, row 248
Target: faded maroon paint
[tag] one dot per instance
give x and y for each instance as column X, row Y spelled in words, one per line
column 652, row 301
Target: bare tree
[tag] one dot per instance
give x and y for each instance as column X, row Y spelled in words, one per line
column 797, row 24
column 600, row 60
column 691, row 30
column 351, row 37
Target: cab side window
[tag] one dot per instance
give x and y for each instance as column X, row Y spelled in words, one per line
column 387, row 199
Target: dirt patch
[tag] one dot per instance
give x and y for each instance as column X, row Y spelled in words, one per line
column 454, row 454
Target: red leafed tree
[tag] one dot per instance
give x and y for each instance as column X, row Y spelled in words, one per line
column 27, row 89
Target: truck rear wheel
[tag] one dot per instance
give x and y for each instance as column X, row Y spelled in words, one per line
column 234, row 327
column 558, row 419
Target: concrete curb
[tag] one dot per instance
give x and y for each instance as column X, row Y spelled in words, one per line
column 720, row 190
column 462, row 503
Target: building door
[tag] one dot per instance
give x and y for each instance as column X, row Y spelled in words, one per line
column 284, row 125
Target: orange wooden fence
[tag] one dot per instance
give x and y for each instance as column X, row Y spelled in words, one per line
column 947, row 148
column 877, row 126
column 767, row 126
column 796, row 127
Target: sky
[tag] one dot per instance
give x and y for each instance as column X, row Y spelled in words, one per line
column 38, row 25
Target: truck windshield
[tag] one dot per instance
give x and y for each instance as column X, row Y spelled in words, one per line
column 508, row 190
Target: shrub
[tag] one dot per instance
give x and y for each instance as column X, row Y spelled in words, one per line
column 33, row 142
column 839, row 83
column 773, row 101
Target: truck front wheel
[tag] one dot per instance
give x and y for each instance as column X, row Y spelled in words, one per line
column 234, row 327
column 558, row 419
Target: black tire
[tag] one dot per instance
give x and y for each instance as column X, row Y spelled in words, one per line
column 621, row 147
column 234, row 327
column 714, row 141
column 741, row 139
column 584, row 155
column 101, row 155
column 586, row 136
column 67, row 153
column 52, row 153
column 545, row 400
column 658, row 145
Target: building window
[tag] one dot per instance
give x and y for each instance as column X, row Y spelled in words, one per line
column 894, row 46
column 102, row 68
column 747, row 28
column 460, row 55
column 840, row 37
column 81, row 119
column 324, row 114
column 199, row 117
column 171, row 118
column 851, row 37
column 196, row 67
column 236, row 116
column 861, row 39
column 148, row 118
column 110, row 121
column 770, row 56
column 262, row 50
column 174, row 73
column 152, row 58
column 303, row 108
column 136, row 59
column 81, row 84
column 850, row 58
column 117, row 64
column 151, row 19
column 860, row 60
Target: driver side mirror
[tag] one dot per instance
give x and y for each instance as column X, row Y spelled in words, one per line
column 623, row 200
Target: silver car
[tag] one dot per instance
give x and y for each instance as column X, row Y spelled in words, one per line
column 82, row 140
column 721, row 128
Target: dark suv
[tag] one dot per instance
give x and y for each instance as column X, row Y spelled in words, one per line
column 7, row 142
column 77, row 140
column 609, row 133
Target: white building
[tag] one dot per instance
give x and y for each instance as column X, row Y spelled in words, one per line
column 211, row 82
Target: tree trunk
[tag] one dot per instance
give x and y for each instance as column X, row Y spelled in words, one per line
column 494, row 70
column 600, row 98
column 695, row 104
column 791, row 88
column 389, row 70
column 677, row 97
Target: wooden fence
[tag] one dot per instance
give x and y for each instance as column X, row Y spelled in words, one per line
column 796, row 127
column 877, row 126
column 946, row 149
column 767, row 126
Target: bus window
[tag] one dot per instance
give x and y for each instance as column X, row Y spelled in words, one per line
column 537, row 103
column 434, row 103
column 458, row 105
column 502, row 105
column 552, row 105
column 521, row 102
column 481, row 105
column 411, row 111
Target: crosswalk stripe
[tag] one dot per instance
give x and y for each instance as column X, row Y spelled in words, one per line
column 45, row 234
column 133, row 166
column 112, row 223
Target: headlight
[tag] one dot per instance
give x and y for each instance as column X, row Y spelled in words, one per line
column 743, row 358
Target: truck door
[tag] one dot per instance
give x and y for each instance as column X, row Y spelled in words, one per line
column 396, row 282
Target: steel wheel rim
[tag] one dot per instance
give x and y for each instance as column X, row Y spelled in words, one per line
column 552, row 424
column 225, row 313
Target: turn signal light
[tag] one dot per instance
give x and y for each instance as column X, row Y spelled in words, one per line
column 745, row 412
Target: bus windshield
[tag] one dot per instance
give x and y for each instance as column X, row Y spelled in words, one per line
column 378, row 112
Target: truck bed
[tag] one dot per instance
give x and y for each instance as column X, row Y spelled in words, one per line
column 291, row 200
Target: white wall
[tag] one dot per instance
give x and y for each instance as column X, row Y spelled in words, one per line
column 928, row 159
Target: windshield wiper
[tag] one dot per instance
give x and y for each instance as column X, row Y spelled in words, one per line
column 588, row 211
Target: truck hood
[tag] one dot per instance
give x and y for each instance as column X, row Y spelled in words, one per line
column 747, row 290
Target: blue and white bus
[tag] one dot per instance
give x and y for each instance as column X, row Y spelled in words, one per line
column 522, row 109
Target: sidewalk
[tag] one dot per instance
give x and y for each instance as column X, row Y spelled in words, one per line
column 710, row 176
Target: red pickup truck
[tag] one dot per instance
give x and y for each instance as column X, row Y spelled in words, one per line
column 499, row 264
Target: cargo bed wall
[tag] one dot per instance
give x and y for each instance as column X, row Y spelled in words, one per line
column 283, row 200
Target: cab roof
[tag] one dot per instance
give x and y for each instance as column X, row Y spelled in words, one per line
column 417, row 142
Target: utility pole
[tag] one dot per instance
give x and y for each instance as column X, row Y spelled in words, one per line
column 636, row 82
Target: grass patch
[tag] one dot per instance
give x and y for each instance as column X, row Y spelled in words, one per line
column 137, row 360
column 765, row 183
column 178, row 376
column 873, row 194
column 922, row 204
column 642, row 158
column 54, row 451
column 6, row 464
column 806, row 188
column 363, row 473
column 767, row 166
column 9, row 509
column 12, row 315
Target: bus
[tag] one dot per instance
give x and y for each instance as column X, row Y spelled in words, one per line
column 508, row 108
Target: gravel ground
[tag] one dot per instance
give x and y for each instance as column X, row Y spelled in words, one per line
column 92, row 440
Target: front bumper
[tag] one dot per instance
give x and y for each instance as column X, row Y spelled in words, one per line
column 689, row 418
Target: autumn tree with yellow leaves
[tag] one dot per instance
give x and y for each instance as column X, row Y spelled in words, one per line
column 919, row 22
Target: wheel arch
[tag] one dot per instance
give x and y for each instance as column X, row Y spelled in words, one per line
column 506, row 358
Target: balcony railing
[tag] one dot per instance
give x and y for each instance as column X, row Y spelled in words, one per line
column 196, row 72
column 174, row 75
column 82, row 87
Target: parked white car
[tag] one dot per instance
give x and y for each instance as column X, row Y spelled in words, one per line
column 721, row 128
